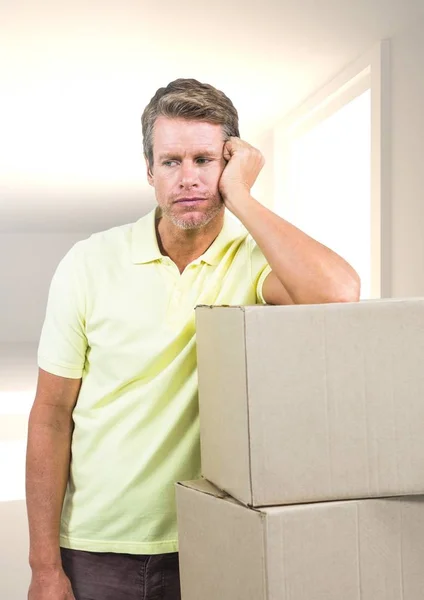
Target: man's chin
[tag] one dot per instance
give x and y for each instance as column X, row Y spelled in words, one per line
column 195, row 219
column 191, row 222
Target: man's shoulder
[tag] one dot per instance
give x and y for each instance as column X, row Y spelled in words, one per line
column 108, row 241
column 110, row 237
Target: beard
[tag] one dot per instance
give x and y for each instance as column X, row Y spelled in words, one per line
column 193, row 219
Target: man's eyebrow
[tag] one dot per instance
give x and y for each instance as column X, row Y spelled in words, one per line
column 177, row 154
column 168, row 155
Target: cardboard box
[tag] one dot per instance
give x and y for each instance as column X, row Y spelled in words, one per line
column 312, row 403
column 351, row 550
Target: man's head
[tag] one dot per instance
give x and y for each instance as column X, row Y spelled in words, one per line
column 185, row 126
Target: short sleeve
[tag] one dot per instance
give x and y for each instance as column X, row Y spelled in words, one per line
column 63, row 343
column 260, row 269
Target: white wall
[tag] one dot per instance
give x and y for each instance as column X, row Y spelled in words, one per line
column 407, row 134
column 14, row 570
column 17, row 385
column 27, row 263
column 263, row 189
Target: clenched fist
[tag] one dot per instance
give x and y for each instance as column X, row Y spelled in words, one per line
column 244, row 163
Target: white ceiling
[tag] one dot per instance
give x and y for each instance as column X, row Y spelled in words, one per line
column 75, row 76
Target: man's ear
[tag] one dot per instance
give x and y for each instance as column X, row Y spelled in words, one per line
column 150, row 177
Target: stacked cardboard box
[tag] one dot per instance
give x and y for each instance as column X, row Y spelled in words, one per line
column 312, row 432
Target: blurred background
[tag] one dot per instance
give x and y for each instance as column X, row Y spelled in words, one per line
column 332, row 92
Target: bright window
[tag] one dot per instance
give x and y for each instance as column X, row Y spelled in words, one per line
column 329, row 184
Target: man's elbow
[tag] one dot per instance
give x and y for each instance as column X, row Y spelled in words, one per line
column 350, row 291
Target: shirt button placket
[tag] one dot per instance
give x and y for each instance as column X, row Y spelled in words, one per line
column 175, row 305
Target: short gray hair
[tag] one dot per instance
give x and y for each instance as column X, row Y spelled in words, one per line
column 188, row 99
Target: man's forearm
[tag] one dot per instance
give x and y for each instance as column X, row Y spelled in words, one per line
column 309, row 271
column 47, row 470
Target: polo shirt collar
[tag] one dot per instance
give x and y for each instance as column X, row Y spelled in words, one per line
column 144, row 243
column 229, row 232
column 145, row 248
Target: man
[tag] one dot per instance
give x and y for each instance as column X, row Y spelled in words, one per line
column 117, row 388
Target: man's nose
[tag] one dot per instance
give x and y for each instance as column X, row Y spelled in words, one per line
column 189, row 175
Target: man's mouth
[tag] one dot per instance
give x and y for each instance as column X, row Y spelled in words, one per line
column 189, row 200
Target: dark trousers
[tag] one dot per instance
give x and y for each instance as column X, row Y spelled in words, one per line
column 110, row 576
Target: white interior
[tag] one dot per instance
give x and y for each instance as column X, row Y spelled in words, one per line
column 73, row 81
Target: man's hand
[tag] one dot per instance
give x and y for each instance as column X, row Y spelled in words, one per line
column 244, row 163
column 50, row 585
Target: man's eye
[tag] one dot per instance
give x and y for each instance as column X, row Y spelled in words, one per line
column 169, row 163
column 203, row 161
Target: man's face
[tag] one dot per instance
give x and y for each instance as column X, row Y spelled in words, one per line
column 188, row 164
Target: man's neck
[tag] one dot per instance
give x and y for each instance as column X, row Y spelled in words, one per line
column 185, row 245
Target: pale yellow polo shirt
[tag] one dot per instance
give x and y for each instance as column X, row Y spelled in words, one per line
column 121, row 317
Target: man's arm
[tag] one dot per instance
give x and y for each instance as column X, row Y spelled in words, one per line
column 303, row 270
column 47, row 471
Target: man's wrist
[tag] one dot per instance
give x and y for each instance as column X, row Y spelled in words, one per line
column 46, row 565
column 239, row 201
